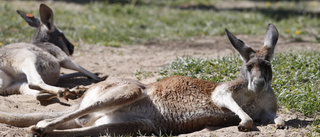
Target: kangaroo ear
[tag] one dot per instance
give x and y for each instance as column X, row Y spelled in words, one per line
column 270, row 41
column 29, row 18
column 244, row 50
column 46, row 16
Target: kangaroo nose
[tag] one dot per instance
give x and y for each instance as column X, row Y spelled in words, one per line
column 259, row 83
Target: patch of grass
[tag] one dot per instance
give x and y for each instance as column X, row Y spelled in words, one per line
column 12, row 29
column 140, row 21
column 296, row 81
column 217, row 70
column 296, row 76
column 142, row 74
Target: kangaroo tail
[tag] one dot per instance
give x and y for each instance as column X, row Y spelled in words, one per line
column 25, row 120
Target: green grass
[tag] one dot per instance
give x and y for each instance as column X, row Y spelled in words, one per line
column 139, row 21
column 217, row 70
column 296, row 81
column 296, row 76
column 142, row 74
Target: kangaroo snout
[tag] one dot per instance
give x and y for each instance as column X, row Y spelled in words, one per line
column 258, row 84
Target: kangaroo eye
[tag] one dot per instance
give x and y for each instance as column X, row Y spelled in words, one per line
column 249, row 67
column 266, row 64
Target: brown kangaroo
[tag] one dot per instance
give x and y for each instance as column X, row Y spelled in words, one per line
column 30, row 68
column 174, row 105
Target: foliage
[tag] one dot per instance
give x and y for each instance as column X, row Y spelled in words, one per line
column 296, row 81
column 113, row 23
column 142, row 74
column 216, row 70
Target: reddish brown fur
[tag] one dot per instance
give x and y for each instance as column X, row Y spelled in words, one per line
column 262, row 52
column 196, row 97
column 185, row 84
column 265, row 52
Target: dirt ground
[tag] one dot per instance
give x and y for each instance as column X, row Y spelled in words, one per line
column 150, row 57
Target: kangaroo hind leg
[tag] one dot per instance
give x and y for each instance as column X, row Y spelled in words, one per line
column 103, row 98
column 132, row 128
column 73, row 66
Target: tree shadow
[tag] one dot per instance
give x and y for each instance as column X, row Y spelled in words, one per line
column 277, row 14
column 298, row 123
column 282, row 0
column 52, row 101
column 254, row 128
column 73, row 80
column 90, row 1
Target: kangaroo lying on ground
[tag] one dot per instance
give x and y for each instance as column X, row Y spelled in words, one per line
column 31, row 68
column 174, row 105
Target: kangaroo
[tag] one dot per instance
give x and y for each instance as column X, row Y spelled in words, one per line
column 174, row 105
column 32, row 68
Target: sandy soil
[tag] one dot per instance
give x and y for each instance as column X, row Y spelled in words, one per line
column 150, row 57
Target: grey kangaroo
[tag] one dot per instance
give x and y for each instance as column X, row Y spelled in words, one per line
column 174, row 105
column 33, row 68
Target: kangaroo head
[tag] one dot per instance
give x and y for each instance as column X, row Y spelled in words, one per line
column 257, row 67
column 46, row 30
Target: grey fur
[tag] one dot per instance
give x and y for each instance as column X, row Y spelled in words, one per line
column 28, row 68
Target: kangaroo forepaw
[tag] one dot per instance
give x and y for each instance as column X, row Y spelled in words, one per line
column 245, row 126
column 35, row 131
column 67, row 94
column 280, row 123
column 102, row 78
column 281, row 127
column 243, row 129
column 45, row 96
